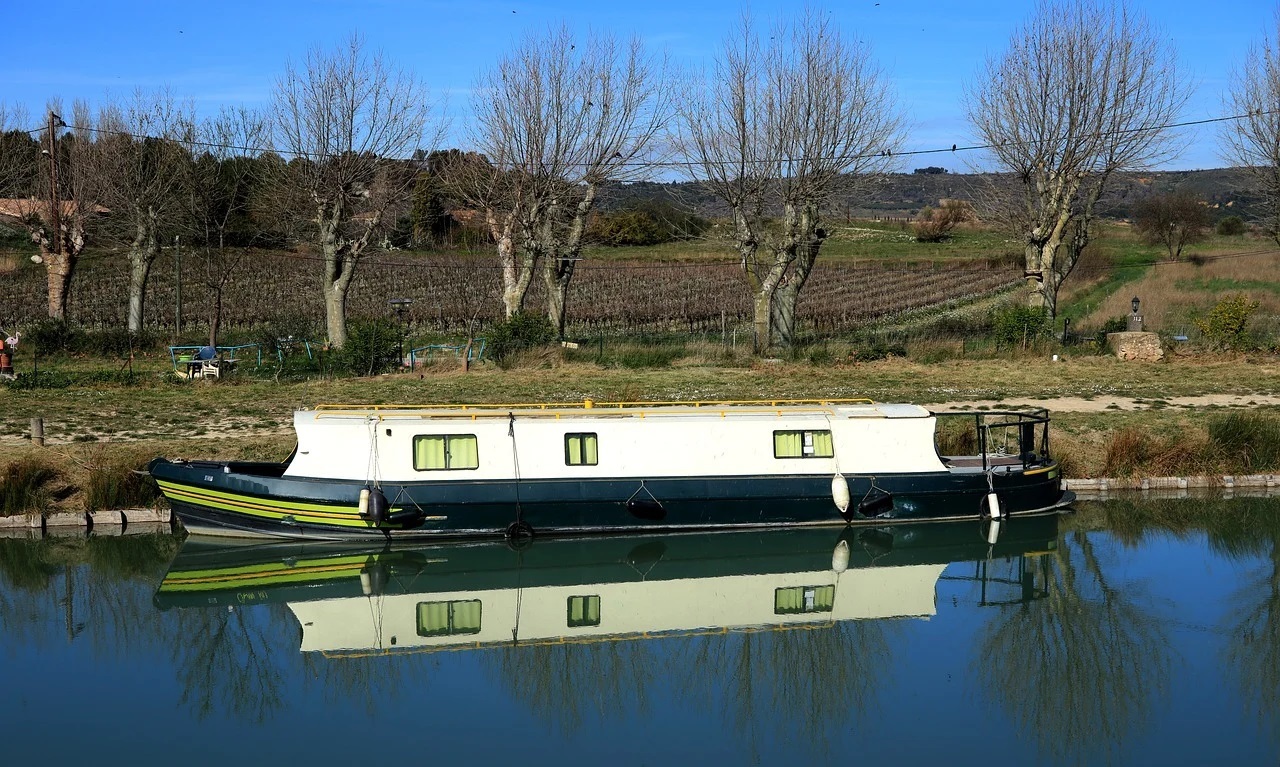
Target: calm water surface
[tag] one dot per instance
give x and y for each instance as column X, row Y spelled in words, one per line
column 1129, row 632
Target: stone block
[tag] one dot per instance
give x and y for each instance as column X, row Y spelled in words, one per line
column 132, row 516
column 1137, row 347
column 65, row 519
column 106, row 517
column 21, row 521
column 67, row 531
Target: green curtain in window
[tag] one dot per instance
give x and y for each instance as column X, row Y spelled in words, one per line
column 428, row 453
column 575, row 449
column 466, row 617
column 584, row 611
column 788, row 600
column 787, row 444
column 462, row 452
column 589, row 449
column 822, row 444
column 824, row 598
column 433, row 618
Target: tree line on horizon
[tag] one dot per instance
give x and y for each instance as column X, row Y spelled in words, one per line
column 785, row 121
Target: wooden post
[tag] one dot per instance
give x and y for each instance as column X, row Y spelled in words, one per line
column 37, row 431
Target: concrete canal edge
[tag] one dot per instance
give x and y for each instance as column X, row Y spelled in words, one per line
column 1252, row 485
column 65, row 524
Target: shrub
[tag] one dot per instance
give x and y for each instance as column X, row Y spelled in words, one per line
column 936, row 224
column 373, row 347
column 24, row 487
column 519, row 332
column 1226, row 325
column 1248, row 441
column 118, row 342
column 1020, row 326
column 53, row 336
column 1133, row 451
column 1231, row 226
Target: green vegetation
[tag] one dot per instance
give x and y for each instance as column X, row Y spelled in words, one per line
column 25, row 486
column 1226, row 325
column 1231, row 226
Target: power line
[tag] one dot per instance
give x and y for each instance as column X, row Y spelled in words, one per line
column 687, row 164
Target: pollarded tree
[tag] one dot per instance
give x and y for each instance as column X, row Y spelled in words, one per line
column 557, row 118
column 1253, row 141
column 1087, row 89
column 780, row 126
column 143, row 168
column 351, row 121
column 35, row 176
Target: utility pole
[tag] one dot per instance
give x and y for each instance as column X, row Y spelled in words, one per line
column 177, row 290
column 55, row 209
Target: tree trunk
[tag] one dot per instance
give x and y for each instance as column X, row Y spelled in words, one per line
column 215, row 316
column 335, row 314
column 556, row 276
column 142, row 254
column 58, row 271
column 787, row 295
column 762, row 320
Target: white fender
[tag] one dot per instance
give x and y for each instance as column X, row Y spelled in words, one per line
column 840, row 493
column 993, row 506
column 364, row 501
column 840, row 557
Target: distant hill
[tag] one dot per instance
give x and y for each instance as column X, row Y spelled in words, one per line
column 901, row 195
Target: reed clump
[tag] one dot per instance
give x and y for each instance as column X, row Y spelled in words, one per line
column 26, row 487
column 1136, row 452
column 117, row 479
column 1247, row 441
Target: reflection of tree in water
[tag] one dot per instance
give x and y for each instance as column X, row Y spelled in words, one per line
column 1252, row 536
column 563, row 683
column 232, row 660
column 1079, row 667
column 809, row 682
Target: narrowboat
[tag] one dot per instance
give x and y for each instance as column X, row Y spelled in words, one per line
column 393, row 471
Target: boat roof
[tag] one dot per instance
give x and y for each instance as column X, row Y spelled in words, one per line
column 838, row 408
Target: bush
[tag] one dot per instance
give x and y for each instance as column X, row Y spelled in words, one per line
column 1231, row 226
column 24, row 487
column 1226, row 325
column 646, row 223
column 936, row 224
column 53, row 337
column 1173, row 220
column 1248, row 441
column 519, row 332
column 117, row 342
column 373, row 347
column 1020, row 326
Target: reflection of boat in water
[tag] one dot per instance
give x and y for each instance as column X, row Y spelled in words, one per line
column 577, row 589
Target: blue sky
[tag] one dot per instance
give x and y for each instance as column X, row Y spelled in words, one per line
column 231, row 51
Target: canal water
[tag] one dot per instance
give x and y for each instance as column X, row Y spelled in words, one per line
column 1132, row 631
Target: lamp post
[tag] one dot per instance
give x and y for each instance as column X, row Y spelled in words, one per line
column 401, row 305
column 1135, row 319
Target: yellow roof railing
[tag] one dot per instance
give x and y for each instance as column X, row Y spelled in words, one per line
column 479, row 410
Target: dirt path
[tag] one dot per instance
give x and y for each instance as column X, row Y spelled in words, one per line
column 1104, row 403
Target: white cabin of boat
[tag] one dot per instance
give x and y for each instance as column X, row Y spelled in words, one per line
column 613, row 440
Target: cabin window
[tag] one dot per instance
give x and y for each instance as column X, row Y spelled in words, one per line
column 437, row 619
column 802, row 444
column 795, row 600
column 580, row 450
column 584, row 611
column 433, row 452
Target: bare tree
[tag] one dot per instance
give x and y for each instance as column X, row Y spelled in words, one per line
column 223, row 173
column 54, row 194
column 143, row 167
column 350, row 119
column 1087, row 89
column 779, row 127
column 558, row 118
column 1253, row 141
column 1174, row 220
